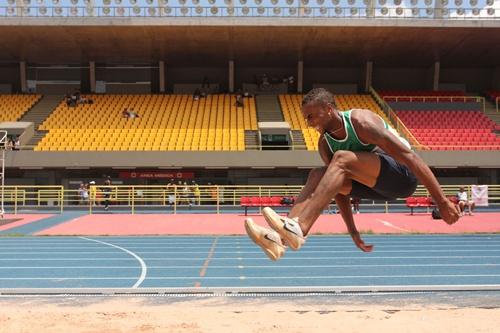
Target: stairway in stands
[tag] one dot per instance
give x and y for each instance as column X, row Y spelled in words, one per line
column 298, row 140
column 268, row 108
column 491, row 112
column 38, row 114
column 251, row 140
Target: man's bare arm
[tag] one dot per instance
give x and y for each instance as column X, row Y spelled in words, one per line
column 344, row 205
column 370, row 129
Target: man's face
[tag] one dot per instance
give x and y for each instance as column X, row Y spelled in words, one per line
column 317, row 116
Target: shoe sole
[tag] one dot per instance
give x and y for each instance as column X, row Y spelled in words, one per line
column 252, row 233
column 274, row 221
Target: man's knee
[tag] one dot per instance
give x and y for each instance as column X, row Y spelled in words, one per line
column 343, row 159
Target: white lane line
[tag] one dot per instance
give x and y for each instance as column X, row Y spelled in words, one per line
column 255, row 266
column 250, row 246
column 305, row 250
column 390, row 225
column 144, row 268
column 251, row 258
column 260, row 277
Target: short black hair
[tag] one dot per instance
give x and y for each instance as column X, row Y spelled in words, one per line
column 318, row 96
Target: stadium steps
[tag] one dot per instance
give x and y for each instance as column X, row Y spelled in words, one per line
column 298, row 140
column 37, row 137
column 251, row 140
column 38, row 114
column 268, row 108
column 491, row 112
column 42, row 109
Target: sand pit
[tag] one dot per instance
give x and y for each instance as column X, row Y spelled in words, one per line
column 225, row 315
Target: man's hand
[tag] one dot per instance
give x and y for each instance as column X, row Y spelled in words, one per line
column 361, row 244
column 449, row 212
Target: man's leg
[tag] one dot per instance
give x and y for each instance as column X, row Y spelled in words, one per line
column 472, row 205
column 307, row 191
column 363, row 167
column 345, row 167
column 268, row 239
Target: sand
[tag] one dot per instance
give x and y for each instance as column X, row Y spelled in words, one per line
column 225, row 315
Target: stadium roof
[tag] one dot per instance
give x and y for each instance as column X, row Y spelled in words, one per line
column 251, row 45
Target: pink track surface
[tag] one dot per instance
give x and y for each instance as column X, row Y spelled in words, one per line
column 25, row 219
column 232, row 224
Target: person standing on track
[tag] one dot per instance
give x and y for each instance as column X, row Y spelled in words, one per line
column 364, row 158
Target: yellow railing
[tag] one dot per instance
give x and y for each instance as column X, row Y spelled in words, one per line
column 438, row 99
column 28, row 197
column 396, row 122
column 163, row 199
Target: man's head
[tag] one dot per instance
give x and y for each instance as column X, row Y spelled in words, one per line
column 462, row 189
column 318, row 109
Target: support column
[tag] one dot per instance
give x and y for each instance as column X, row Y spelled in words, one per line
column 92, row 76
column 368, row 75
column 370, row 8
column 231, row 76
column 438, row 9
column 435, row 81
column 22, row 76
column 161, row 70
column 300, row 76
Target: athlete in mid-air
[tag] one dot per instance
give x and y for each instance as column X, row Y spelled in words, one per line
column 364, row 158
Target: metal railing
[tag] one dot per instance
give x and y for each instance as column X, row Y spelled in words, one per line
column 396, row 122
column 279, row 11
column 438, row 99
column 214, row 199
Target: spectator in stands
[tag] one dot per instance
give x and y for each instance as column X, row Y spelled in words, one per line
column 205, row 83
column 171, row 191
column 129, row 113
column 10, row 144
column 106, row 191
column 355, row 205
column 239, row 101
column 196, row 192
column 83, row 194
column 197, row 94
column 68, row 100
column 16, row 143
column 463, row 201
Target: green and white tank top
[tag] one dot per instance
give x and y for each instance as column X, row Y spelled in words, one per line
column 351, row 142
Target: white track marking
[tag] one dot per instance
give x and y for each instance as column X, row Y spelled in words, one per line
column 253, row 266
column 251, row 258
column 250, row 246
column 253, row 252
column 260, row 277
column 390, row 225
column 144, row 268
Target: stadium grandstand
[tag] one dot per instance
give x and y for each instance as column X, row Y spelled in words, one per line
column 149, row 133
column 190, row 92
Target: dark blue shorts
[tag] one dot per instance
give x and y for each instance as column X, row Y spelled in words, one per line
column 394, row 181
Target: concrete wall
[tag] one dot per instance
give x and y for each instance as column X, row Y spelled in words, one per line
column 401, row 78
column 475, row 79
column 195, row 75
column 246, row 159
column 54, row 74
column 314, row 75
column 120, row 74
column 10, row 75
column 248, row 74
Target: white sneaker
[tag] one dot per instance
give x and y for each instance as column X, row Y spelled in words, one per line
column 287, row 228
column 267, row 239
